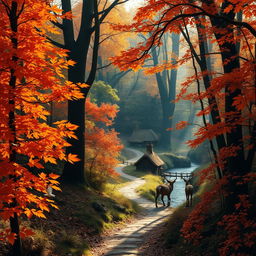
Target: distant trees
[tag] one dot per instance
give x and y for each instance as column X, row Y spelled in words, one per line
column 139, row 110
column 111, row 44
column 166, row 81
column 228, row 96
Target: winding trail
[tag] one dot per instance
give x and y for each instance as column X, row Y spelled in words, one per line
column 128, row 240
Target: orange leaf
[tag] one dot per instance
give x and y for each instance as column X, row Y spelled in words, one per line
column 72, row 158
column 54, row 176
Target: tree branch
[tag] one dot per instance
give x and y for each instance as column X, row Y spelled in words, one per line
column 56, row 43
column 105, row 12
column 217, row 16
column 57, row 24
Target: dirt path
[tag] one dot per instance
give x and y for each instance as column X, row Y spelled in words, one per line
column 128, row 240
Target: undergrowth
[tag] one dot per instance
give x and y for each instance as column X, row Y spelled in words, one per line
column 211, row 233
column 84, row 214
column 147, row 190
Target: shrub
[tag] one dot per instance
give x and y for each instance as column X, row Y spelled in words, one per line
column 72, row 244
column 174, row 161
column 147, row 190
column 200, row 155
column 38, row 244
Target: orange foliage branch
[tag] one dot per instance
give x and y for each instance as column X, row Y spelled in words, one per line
column 31, row 76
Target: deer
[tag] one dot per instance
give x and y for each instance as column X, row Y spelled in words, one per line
column 189, row 189
column 165, row 190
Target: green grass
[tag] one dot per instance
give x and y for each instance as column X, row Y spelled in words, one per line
column 111, row 190
column 72, row 244
column 38, row 243
column 117, row 209
column 147, row 190
column 131, row 170
column 113, row 193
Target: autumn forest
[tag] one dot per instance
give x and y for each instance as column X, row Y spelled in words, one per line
column 127, row 127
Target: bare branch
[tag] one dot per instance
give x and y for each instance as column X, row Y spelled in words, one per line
column 6, row 7
column 56, row 43
column 57, row 24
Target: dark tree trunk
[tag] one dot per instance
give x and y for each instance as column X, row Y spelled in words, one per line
column 74, row 173
column 78, row 51
column 172, row 80
column 168, row 110
column 215, row 115
column 100, row 75
column 236, row 165
column 167, row 89
column 15, row 228
column 14, row 222
column 202, row 62
column 76, row 109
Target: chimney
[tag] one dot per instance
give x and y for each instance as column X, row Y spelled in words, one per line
column 149, row 148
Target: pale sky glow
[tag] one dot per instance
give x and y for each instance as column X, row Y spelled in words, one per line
column 131, row 5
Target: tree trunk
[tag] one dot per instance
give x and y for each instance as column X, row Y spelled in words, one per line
column 168, row 109
column 14, row 223
column 78, row 51
column 167, row 89
column 15, row 228
column 207, row 80
column 74, row 173
column 100, row 76
column 172, row 80
column 236, row 166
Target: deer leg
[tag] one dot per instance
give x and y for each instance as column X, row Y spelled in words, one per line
column 191, row 196
column 187, row 202
column 156, row 199
column 169, row 200
column 162, row 198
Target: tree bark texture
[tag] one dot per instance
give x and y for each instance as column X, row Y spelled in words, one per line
column 166, row 82
column 14, row 221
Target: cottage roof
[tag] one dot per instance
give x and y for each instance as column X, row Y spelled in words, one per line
column 143, row 135
column 153, row 157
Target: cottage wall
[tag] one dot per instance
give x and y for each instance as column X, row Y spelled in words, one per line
column 146, row 165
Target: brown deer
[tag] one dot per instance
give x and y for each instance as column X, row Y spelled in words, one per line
column 165, row 190
column 189, row 189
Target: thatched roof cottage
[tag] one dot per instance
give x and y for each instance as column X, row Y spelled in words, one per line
column 143, row 136
column 150, row 161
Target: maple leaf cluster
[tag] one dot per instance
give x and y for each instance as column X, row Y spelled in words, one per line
column 31, row 77
column 102, row 144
